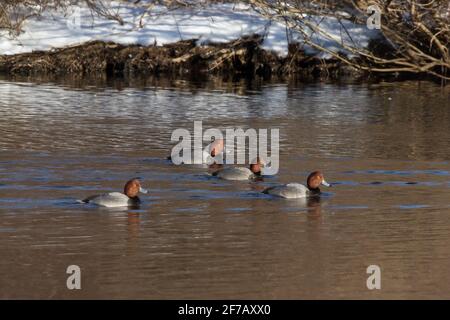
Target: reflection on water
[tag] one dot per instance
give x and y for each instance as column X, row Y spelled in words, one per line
column 385, row 146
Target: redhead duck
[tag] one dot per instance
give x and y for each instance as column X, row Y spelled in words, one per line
column 216, row 148
column 241, row 173
column 129, row 197
column 297, row 190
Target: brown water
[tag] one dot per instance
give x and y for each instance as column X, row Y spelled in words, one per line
column 386, row 147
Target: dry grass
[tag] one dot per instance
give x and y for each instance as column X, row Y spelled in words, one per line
column 13, row 13
column 416, row 32
column 239, row 57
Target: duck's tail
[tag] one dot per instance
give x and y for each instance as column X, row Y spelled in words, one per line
column 215, row 173
column 267, row 190
column 87, row 200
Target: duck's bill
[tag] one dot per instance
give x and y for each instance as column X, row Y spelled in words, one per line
column 326, row 184
column 142, row 190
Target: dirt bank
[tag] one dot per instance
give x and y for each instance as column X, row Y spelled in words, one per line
column 242, row 57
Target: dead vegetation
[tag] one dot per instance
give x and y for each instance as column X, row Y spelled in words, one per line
column 415, row 33
column 239, row 58
column 183, row 57
column 13, row 13
column 415, row 40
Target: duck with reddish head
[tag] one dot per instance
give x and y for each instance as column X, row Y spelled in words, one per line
column 241, row 173
column 128, row 198
column 216, row 148
column 297, row 190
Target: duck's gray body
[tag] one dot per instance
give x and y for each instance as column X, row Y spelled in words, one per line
column 235, row 173
column 289, row 191
column 113, row 199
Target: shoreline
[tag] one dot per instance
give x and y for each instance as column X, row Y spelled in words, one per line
column 230, row 39
column 243, row 57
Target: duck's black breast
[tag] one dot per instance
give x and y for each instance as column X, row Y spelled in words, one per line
column 314, row 192
column 134, row 200
column 88, row 199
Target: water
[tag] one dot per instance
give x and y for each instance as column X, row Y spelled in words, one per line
column 385, row 146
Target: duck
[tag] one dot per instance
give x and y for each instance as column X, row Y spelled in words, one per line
column 128, row 198
column 297, row 190
column 241, row 173
column 215, row 149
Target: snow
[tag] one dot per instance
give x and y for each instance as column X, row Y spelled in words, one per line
column 217, row 23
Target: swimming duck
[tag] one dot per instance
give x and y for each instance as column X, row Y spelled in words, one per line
column 297, row 190
column 241, row 173
column 116, row 199
column 215, row 149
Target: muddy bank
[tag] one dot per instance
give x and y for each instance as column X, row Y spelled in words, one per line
column 242, row 57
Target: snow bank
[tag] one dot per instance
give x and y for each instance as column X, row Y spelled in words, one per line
column 217, row 23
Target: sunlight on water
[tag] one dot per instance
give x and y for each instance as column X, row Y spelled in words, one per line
column 385, row 147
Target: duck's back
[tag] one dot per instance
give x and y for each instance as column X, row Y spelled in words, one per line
column 288, row 191
column 234, row 173
column 113, row 199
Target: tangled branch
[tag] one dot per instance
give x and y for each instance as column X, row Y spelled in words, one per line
column 415, row 33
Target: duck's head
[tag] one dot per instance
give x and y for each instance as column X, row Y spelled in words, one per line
column 216, row 147
column 256, row 165
column 133, row 187
column 315, row 179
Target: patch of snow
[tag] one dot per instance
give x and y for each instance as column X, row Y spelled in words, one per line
column 213, row 23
